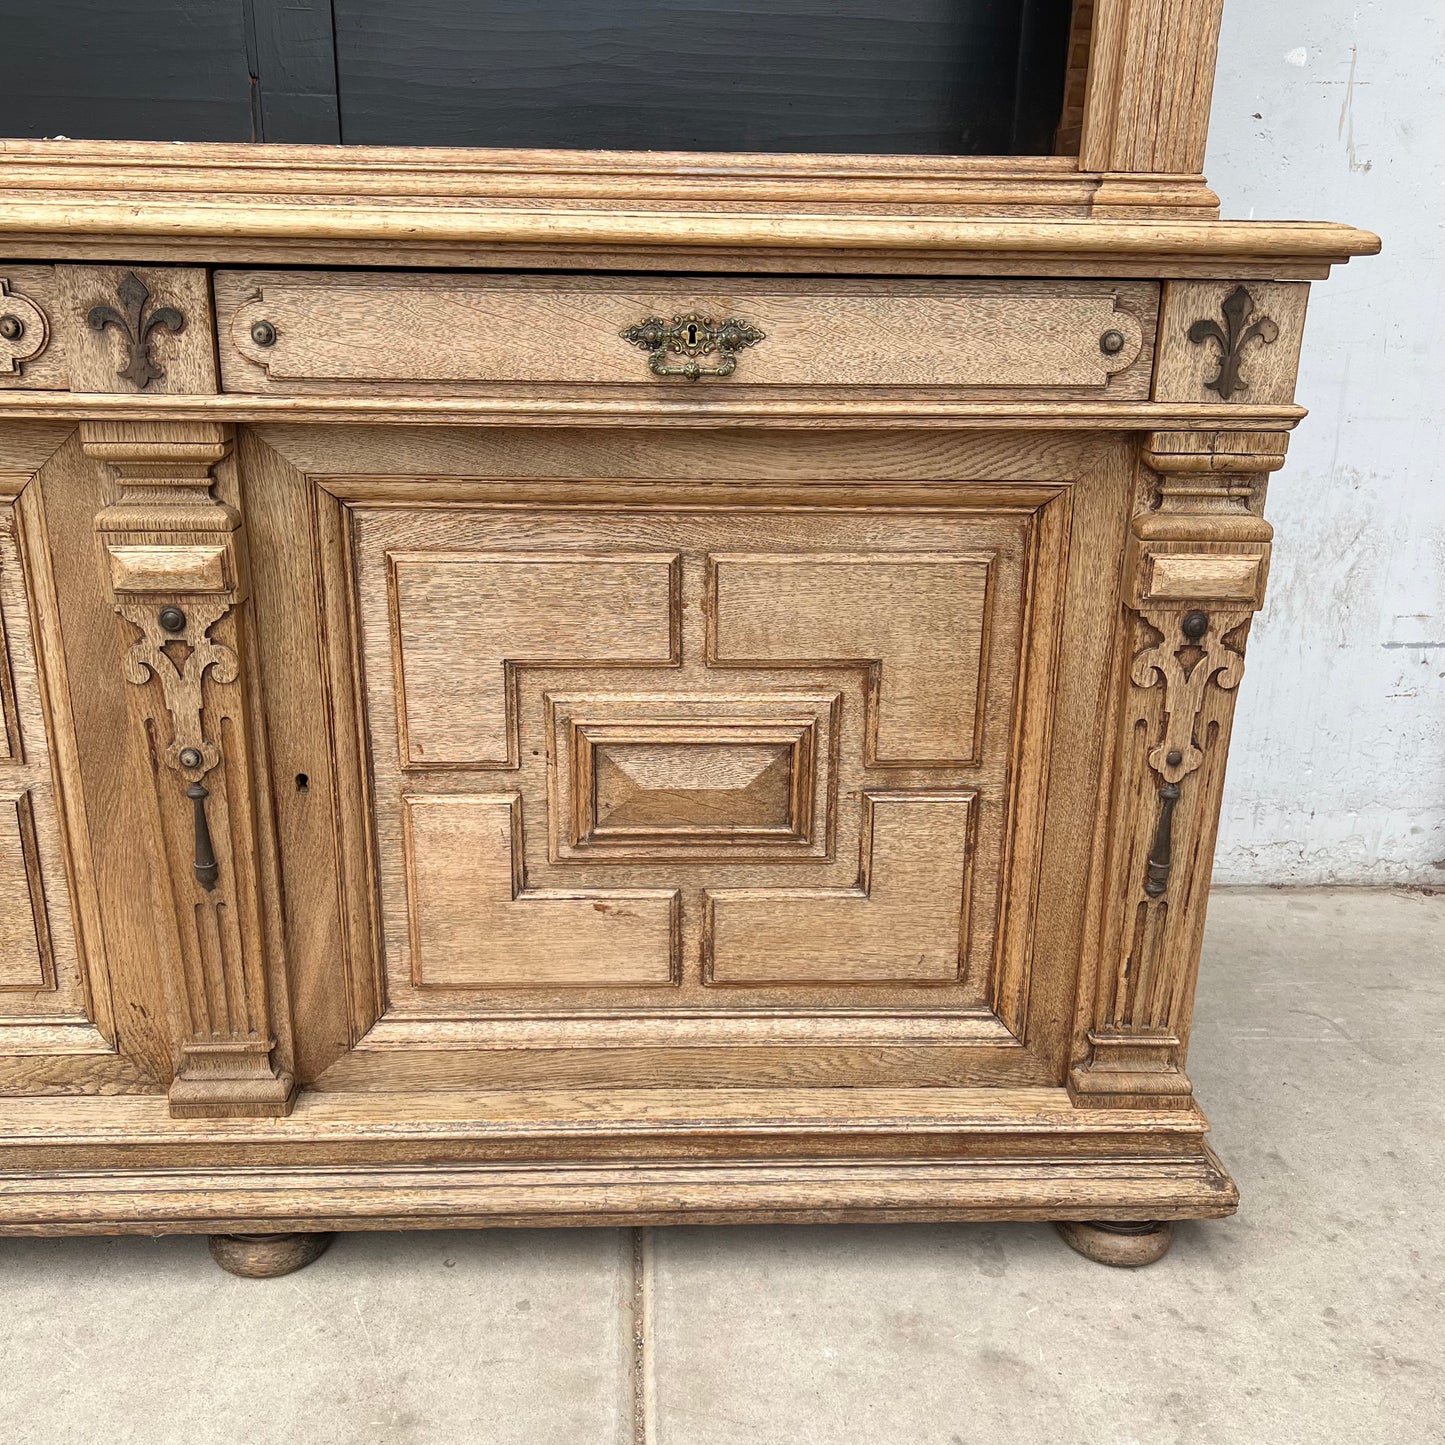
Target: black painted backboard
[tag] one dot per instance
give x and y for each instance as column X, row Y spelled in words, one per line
column 925, row 77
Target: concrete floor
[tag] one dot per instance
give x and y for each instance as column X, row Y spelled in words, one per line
column 1314, row 1316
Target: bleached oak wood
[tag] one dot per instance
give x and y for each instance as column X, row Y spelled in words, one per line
column 1151, row 77
column 668, row 775
column 375, row 331
column 846, row 623
column 902, row 920
column 715, row 408
column 267, row 1256
column 1123, row 1246
column 474, row 922
column 1264, row 350
column 26, row 961
column 1184, row 663
column 34, row 356
column 55, row 1014
column 1054, row 242
column 188, row 666
column 128, row 329
column 785, row 796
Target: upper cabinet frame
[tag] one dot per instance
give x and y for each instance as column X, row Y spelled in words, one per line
column 1131, row 202
column 1150, row 79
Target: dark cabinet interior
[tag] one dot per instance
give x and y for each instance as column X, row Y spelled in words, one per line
column 921, row 77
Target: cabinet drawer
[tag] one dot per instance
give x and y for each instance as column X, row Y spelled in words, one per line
column 316, row 332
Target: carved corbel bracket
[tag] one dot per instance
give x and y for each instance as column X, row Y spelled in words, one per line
column 1196, row 566
column 177, row 567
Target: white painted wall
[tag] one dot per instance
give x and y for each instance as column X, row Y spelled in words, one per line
column 1335, row 110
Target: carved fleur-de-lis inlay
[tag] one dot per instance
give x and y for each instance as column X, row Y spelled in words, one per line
column 1240, row 327
column 135, row 327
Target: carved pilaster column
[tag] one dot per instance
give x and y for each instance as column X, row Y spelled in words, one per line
column 177, row 563
column 1196, row 568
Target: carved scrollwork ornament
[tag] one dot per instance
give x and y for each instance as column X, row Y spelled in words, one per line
column 179, row 658
column 1190, row 656
column 175, row 647
column 24, row 330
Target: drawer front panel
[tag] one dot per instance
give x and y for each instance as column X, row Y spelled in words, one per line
column 308, row 332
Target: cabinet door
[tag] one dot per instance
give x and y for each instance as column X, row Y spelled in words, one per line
column 784, row 773
column 62, row 1028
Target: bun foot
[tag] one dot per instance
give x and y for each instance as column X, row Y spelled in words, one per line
column 1126, row 1245
column 265, row 1256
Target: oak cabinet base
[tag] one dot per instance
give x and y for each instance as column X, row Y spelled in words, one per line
column 620, row 691
column 606, row 1157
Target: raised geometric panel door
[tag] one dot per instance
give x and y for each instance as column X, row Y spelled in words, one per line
column 699, row 764
column 32, row 868
column 59, row 1033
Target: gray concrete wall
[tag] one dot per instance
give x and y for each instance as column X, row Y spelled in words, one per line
column 1335, row 110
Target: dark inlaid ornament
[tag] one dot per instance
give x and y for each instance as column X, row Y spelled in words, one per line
column 136, row 327
column 1240, row 327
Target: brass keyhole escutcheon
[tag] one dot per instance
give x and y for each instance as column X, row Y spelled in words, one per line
column 692, row 336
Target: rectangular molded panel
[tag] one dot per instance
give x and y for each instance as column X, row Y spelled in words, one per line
column 919, row 619
column 474, row 922
column 649, row 777
column 730, row 788
column 704, row 758
column 902, row 922
column 332, row 331
column 461, row 623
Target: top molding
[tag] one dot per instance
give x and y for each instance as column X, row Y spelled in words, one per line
column 331, row 205
column 1131, row 203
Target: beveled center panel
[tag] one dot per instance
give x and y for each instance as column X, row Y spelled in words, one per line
column 698, row 786
column 649, row 777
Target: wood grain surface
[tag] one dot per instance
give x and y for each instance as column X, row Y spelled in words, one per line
column 785, row 796
column 380, row 332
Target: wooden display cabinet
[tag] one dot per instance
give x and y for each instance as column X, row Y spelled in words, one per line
column 595, row 688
